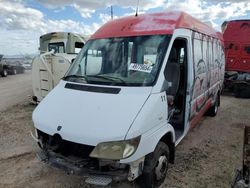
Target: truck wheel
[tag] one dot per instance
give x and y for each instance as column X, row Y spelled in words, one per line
column 212, row 111
column 4, row 73
column 14, row 72
column 155, row 167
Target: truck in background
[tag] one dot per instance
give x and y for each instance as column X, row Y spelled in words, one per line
column 132, row 94
column 236, row 35
column 57, row 51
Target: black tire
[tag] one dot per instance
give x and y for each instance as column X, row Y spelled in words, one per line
column 4, row 73
column 14, row 71
column 155, row 167
column 212, row 111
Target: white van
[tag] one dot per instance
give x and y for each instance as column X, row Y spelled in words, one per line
column 136, row 88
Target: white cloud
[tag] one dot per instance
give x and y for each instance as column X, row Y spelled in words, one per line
column 15, row 15
column 87, row 7
column 218, row 11
column 21, row 27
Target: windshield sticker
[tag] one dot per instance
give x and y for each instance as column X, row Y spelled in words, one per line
column 140, row 67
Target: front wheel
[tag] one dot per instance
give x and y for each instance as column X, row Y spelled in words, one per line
column 155, row 167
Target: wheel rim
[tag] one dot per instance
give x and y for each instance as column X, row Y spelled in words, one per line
column 5, row 72
column 161, row 167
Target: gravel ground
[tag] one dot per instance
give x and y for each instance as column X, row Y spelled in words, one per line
column 207, row 156
column 14, row 89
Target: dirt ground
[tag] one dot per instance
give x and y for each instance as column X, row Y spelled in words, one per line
column 207, row 157
column 14, row 89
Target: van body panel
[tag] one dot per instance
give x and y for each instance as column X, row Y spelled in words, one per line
column 153, row 113
column 150, row 139
column 87, row 122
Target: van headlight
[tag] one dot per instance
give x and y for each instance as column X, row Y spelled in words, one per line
column 116, row 150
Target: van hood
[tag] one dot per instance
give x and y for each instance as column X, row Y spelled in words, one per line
column 89, row 117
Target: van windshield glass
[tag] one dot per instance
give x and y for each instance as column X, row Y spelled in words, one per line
column 123, row 61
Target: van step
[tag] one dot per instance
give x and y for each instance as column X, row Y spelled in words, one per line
column 99, row 180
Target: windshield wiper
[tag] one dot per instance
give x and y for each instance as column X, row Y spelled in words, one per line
column 75, row 76
column 111, row 78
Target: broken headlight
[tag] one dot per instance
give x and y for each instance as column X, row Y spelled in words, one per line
column 116, row 150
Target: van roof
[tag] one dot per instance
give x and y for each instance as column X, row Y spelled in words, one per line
column 152, row 24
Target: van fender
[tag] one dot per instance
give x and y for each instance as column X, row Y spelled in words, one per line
column 149, row 140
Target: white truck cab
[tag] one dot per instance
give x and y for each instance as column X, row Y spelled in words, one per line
column 133, row 92
column 57, row 52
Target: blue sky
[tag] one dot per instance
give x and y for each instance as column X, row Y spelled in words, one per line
column 23, row 21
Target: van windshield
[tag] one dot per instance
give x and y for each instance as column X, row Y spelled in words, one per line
column 123, row 61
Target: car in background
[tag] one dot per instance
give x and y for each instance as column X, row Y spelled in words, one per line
column 27, row 65
column 14, row 67
column 3, row 67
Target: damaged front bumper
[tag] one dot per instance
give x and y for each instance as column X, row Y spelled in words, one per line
column 86, row 168
column 74, row 158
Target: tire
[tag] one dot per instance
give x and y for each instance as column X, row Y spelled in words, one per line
column 155, row 167
column 212, row 111
column 4, row 73
column 14, row 72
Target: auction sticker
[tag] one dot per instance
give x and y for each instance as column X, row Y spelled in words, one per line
column 140, row 67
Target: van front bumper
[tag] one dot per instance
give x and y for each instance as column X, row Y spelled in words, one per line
column 82, row 167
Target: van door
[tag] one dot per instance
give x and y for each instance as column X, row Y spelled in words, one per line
column 176, row 75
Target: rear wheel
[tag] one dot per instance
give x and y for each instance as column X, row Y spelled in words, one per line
column 4, row 73
column 212, row 111
column 14, row 72
column 155, row 167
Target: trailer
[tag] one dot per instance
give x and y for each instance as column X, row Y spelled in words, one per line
column 236, row 34
column 57, row 51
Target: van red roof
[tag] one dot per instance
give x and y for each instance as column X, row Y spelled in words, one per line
column 152, row 24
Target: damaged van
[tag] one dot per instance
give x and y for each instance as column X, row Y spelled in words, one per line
column 132, row 94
